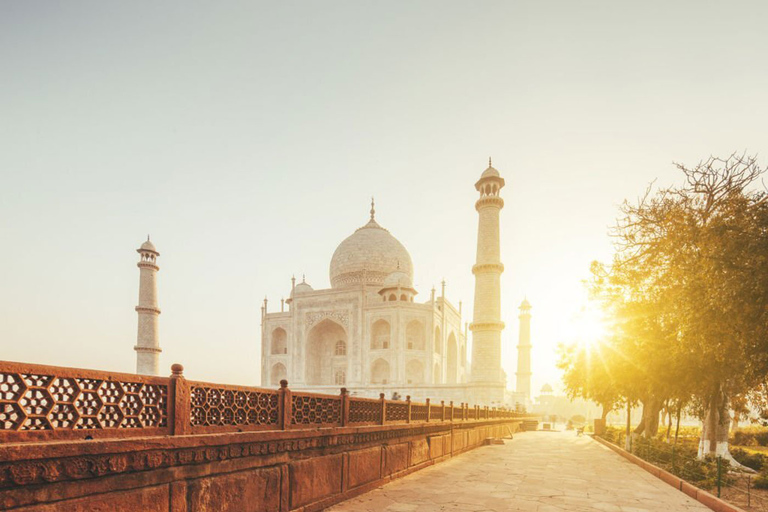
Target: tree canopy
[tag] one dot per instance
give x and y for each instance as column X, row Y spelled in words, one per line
column 686, row 295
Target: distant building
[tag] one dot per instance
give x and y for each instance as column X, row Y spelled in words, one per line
column 148, row 336
column 521, row 397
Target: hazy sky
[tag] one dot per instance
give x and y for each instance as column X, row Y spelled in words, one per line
column 248, row 137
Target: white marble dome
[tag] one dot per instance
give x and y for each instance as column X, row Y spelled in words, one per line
column 397, row 279
column 302, row 287
column 369, row 255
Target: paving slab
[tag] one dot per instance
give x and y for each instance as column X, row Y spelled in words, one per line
column 534, row 472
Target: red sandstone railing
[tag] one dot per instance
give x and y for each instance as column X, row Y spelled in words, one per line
column 52, row 403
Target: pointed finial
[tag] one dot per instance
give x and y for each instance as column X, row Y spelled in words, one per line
column 373, row 209
column 489, row 162
column 303, row 278
column 147, row 238
column 398, row 264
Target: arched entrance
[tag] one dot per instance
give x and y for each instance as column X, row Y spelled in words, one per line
column 279, row 341
column 453, row 360
column 322, row 342
column 414, row 372
column 414, row 335
column 380, row 372
column 277, row 374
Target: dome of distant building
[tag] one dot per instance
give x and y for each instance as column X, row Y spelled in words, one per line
column 148, row 246
column 368, row 256
column 546, row 388
column 490, row 171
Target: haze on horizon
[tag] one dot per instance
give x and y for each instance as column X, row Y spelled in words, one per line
column 248, row 137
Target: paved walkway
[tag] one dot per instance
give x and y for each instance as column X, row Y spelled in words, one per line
column 536, row 472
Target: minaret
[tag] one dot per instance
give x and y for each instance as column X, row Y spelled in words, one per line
column 486, row 326
column 524, row 352
column 148, row 340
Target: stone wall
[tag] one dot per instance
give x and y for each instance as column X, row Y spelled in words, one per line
column 291, row 470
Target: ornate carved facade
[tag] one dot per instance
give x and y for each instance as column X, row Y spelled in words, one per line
column 367, row 332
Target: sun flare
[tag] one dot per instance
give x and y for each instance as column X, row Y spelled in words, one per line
column 589, row 327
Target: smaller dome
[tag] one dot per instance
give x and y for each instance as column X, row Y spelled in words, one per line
column 302, row 287
column 397, row 279
column 546, row 388
column 525, row 304
column 148, row 246
column 490, row 171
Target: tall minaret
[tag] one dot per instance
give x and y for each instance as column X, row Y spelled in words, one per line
column 148, row 340
column 524, row 351
column 487, row 376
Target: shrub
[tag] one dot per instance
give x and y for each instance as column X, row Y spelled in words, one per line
column 750, row 436
column 761, row 481
column 756, row 461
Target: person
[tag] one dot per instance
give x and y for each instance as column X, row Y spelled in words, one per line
column 395, row 395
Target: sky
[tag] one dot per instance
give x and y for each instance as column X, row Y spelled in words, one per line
column 248, row 137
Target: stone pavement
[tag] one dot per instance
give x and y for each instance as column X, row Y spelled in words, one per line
column 536, row 472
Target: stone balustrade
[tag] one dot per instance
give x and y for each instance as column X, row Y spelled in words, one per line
column 40, row 402
column 81, row 440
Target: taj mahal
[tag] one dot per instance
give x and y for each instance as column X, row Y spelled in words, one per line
column 369, row 333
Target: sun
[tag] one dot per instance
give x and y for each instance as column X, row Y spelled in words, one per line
column 589, row 327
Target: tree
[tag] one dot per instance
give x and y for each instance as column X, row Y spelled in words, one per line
column 586, row 375
column 688, row 292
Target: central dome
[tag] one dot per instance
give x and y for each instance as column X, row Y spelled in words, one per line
column 368, row 256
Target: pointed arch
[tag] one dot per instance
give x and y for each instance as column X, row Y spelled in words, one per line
column 414, row 335
column 277, row 373
column 380, row 372
column 279, row 343
column 452, row 367
column 414, row 372
column 380, row 335
column 322, row 340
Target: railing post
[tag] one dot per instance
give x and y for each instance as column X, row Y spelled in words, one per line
column 179, row 403
column 344, row 407
column 408, row 403
column 429, row 410
column 442, row 412
column 383, row 409
column 451, row 410
column 284, row 399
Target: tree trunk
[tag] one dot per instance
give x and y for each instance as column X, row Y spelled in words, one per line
column 715, row 429
column 649, row 422
column 606, row 411
column 679, row 413
column 651, row 418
